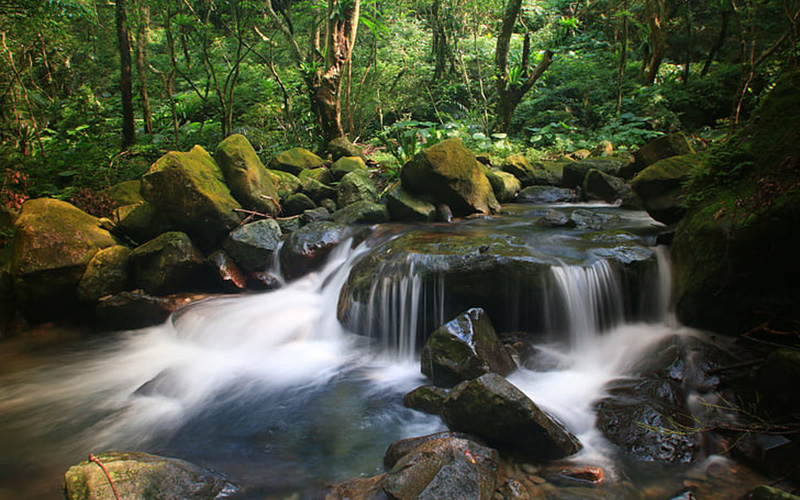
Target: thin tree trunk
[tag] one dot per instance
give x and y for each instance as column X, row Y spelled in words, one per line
column 655, row 11
column 723, row 32
column 141, row 64
column 126, row 76
column 623, row 57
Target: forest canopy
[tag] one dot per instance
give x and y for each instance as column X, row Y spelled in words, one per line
column 92, row 92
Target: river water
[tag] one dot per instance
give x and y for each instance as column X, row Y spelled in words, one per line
column 271, row 390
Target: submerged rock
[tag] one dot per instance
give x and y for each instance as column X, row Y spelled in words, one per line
column 141, row 476
column 448, row 173
column 494, row 409
column 464, row 348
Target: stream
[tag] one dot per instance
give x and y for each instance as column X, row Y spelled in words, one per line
column 273, row 391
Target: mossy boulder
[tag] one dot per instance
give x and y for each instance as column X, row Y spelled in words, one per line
column 246, row 176
column 53, row 244
column 405, row 207
column 297, row 203
column 656, row 150
column 318, row 191
column 126, row 193
column 306, row 249
column 602, row 186
column 545, row 194
column 660, row 186
column 285, row 183
column 140, row 222
column 106, row 274
column 764, row 492
column 495, row 410
column 505, row 185
column 253, row 246
column 356, row 186
column 448, row 173
column 166, row 264
column 342, row 147
column 132, row 310
column 464, row 348
column 295, row 161
column 522, row 169
column 141, row 476
column 361, row 212
column 190, row 190
column 320, row 174
column 315, row 215
column 347, row 164
column 426, row 398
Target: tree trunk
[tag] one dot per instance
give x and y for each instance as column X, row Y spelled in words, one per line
column 655, row 12
column 141, row 64
column 126, row 76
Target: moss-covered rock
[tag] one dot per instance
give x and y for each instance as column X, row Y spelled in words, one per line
column 318, row 191
column 361, row 212
column 521, row 168
column 426, row 398
column 126, row 193
column 656, row 150
column 405, row 207
column 320, row 174
column 605, row 187
column 246, row 176
column 764, row 492
column 167, row 264
column 140, row 222
column 295, row 160
column 53, row 244
column 448, row 173
column 106, row 274
column 285, row 183
column 342, row 147
column 464, row 348
column 297, row 203
column 505, row 185
column 494, row 409
column 356, row 186
column 141, row 476
column 660, row 186
column 190, row 190
column 347, row 164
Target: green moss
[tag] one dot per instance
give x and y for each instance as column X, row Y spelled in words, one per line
column 246, row 176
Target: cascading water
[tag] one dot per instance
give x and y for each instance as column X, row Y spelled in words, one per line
column 272, row 390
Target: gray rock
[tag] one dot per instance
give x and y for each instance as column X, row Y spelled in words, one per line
column 166, row 264
column 545, row 194
column 362, row 212
column 356, row 186
column 307, row 248
column 405, row 207
column 253, row 245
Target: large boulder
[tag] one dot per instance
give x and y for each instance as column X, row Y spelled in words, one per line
column 347, row 164
column 447, row 467
column 190, row 190
column 464, row 348
column 341, row 147
column 126, row 193
column 140, row 222
column 356, row 186
column 253, row 246
column 166, row 264
column 448, row 173
column 246, row 176
column 141, row 476
column 494, row 409
column 285, row 183
column 405, row 207
column 608, row 188
column 53, row 244
column 656, row 150
column 506, row 186
column 106, row 274
column 131, row 310
column 361, row 212
column 295, row 160
column 307, row 248
column 660, row 186
column 521, row 168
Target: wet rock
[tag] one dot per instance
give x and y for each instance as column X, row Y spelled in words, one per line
column 505, row 185
column 295, row 160
column 258, row 280
column 141, row 222
column 166, row 264
column 319, row 174
column 190, row 190
column 342, row 147
column 130, row 310
column 347, row 164
column 593, row 220
column 464, row 348
column 554, row 218
column 307, row 248
column 226, row 275
column 403, row 447
column 426, row 398
column 660, row 187
column 448, row 173
column 778, row 380
column 356, row 186
column 141, row 476
column 252, row 246
column 605, row 187
column 315, row 215
column 574, row 474
column 764, row 492
column 573, row 175
column 691, row 361
column 370, row 488
column 318, row 191
column 649, row 419
column 285, row 183
column 545, row 194
column 329, row 205
column 494, row 409
column 362, row 212
column 656, row 150
column 771, row 454
column 444, row 213
column 106, row 274
column 53, row 244
column 405, row 207
column 297, row 203
column 444, row 468
column 246, row 176
column 126, row 193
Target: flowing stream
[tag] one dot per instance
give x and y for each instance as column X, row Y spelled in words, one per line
column 273, row 391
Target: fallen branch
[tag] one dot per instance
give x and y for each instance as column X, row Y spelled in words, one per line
column 96, row 460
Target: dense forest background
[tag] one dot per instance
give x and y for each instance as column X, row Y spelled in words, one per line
column 93, row 91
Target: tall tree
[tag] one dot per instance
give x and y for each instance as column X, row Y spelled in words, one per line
column 656, row 15
column 126, row 75
column 513, row 83
column 141, row 62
